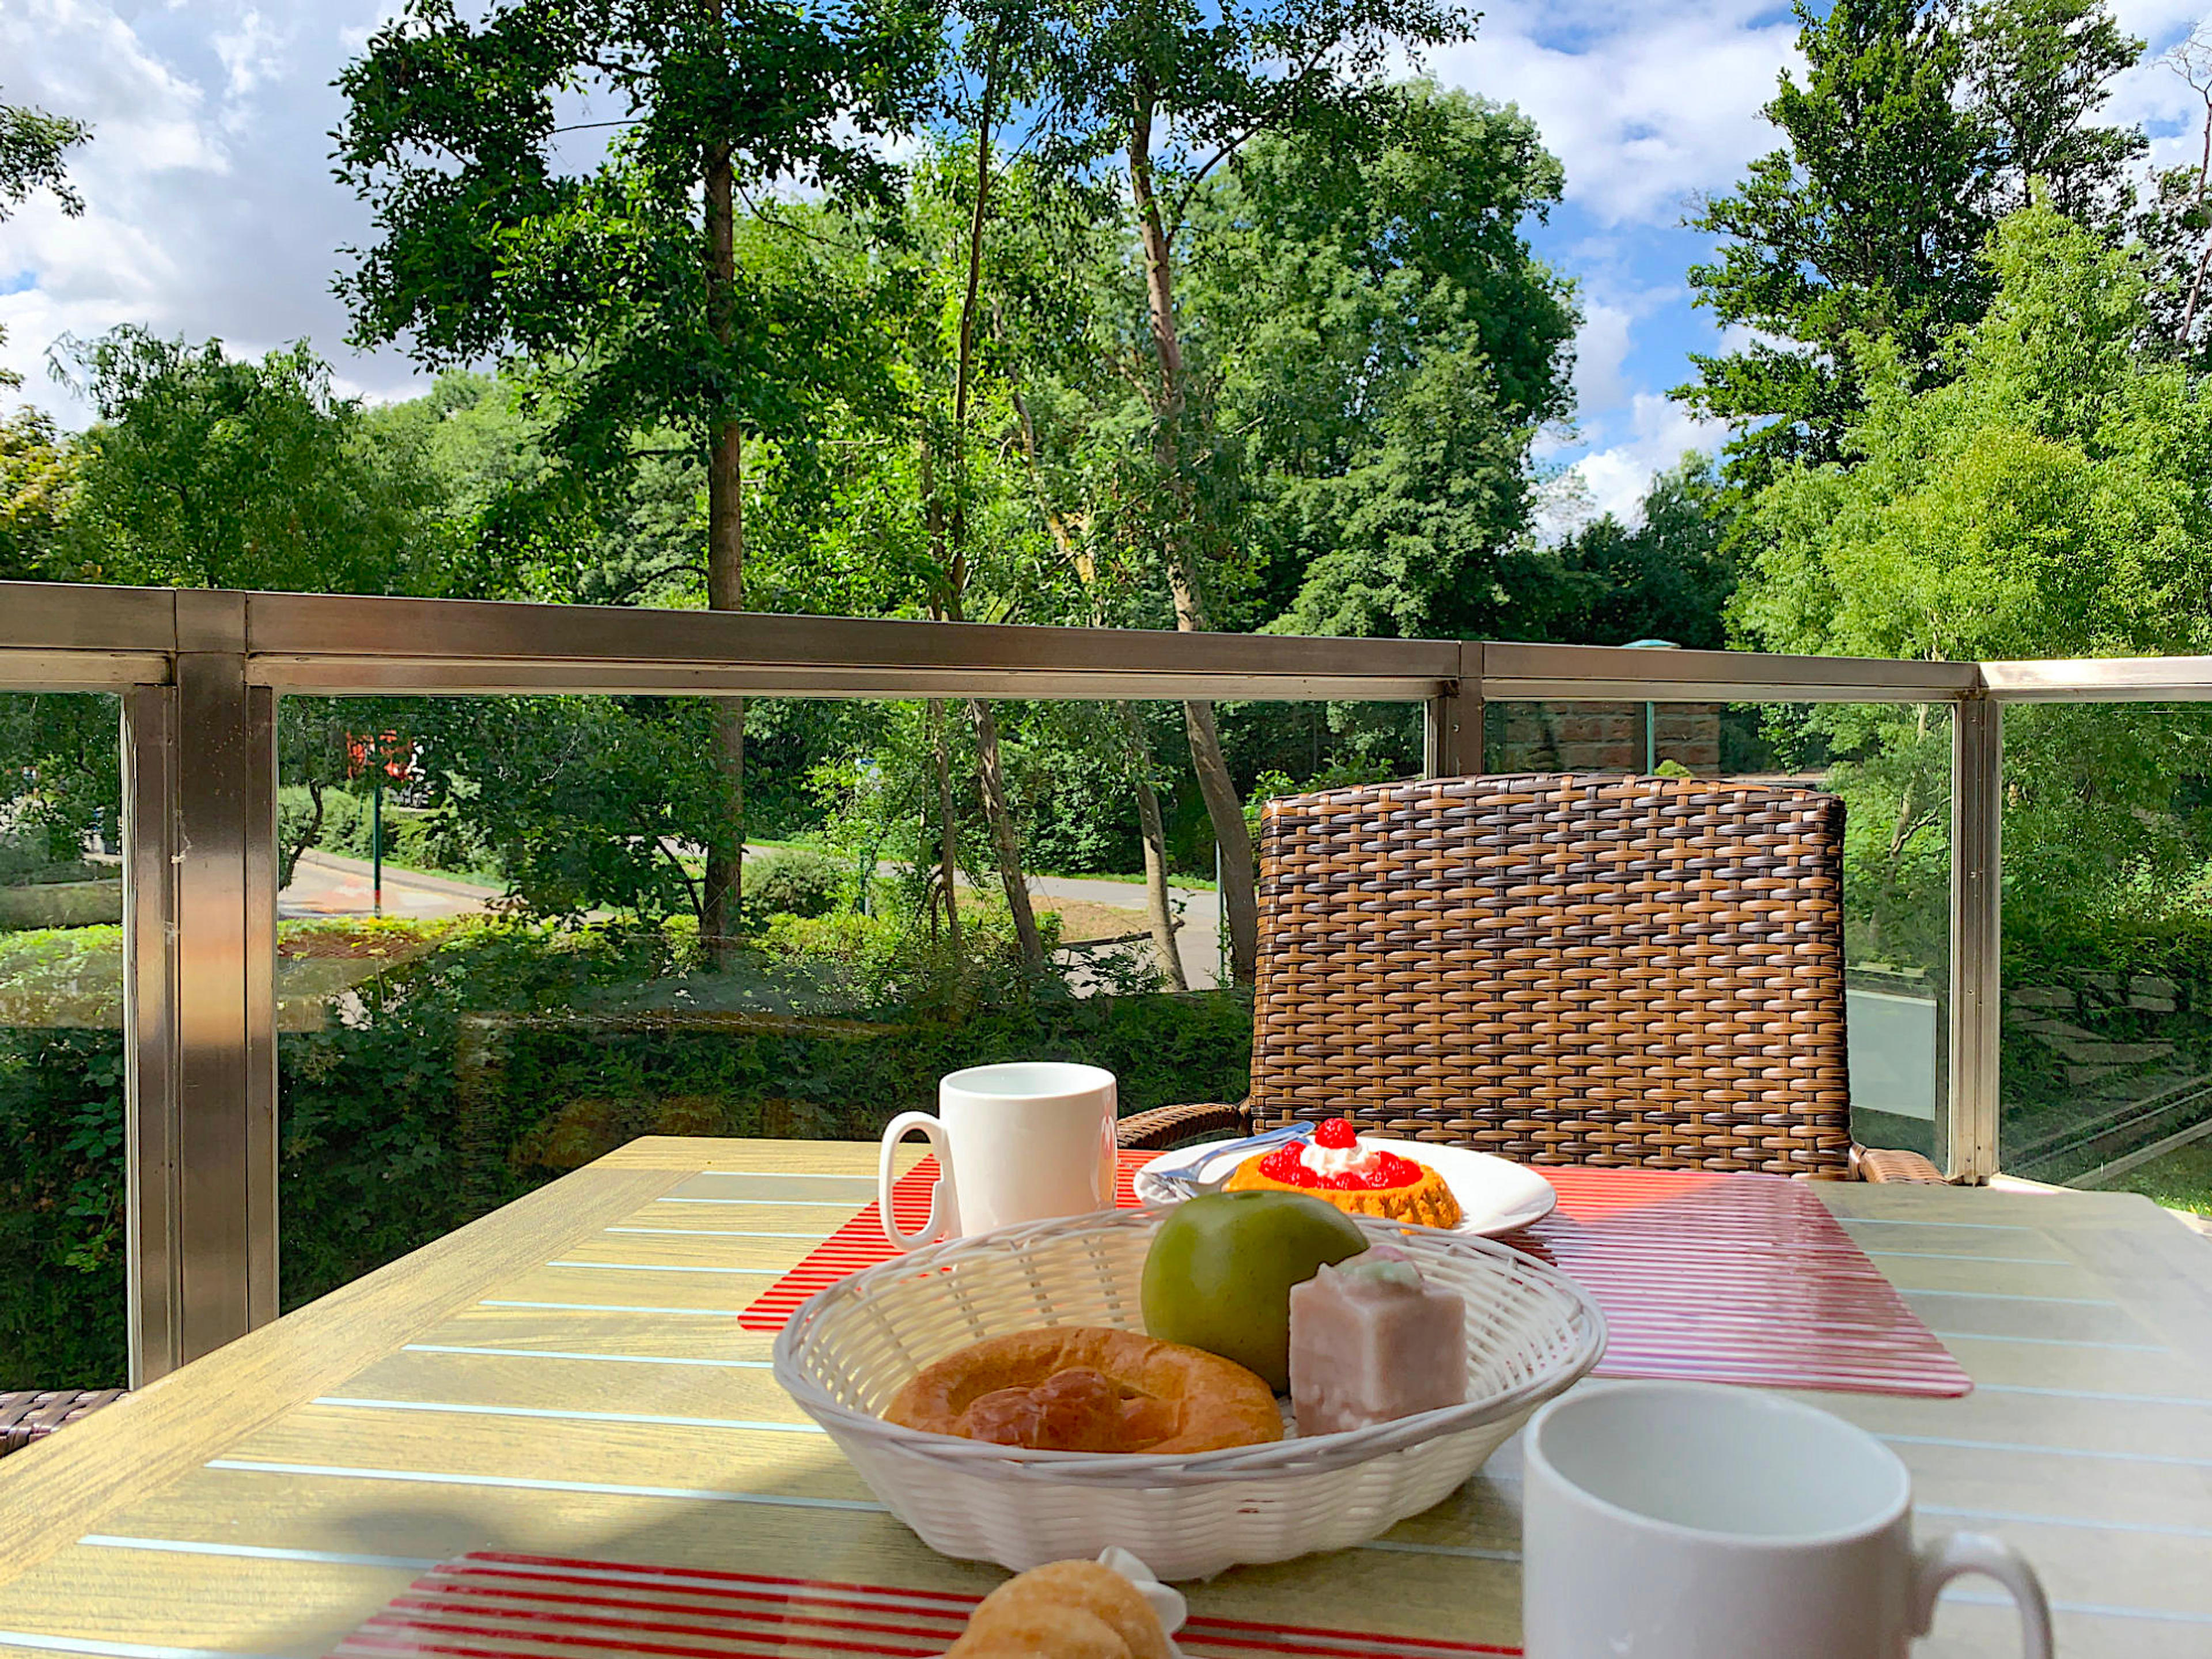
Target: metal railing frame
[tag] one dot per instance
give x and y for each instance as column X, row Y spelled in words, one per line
column 199, row 673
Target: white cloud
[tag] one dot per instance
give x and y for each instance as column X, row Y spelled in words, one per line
column 1600, row 350
column 1614, row 313
column 210, row 208
column 251, row 54
column 2152, row 94
column 1616, row 478
column 1647, row 107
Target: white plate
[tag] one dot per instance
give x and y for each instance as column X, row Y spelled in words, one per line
column 1495, row 1194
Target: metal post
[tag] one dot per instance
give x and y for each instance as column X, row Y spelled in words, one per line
column 153, row 1248
column 1651, row 709
column 376, row 840
column 1970, row 1152
column 1451, row 727
column 222, row 995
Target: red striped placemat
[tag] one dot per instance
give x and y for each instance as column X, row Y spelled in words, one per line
column 496, row 1606
column 1734, row 1279
column 860, row 1242
column 1718, row 1277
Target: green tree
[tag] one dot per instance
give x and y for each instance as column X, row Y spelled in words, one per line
column 209, row 471
column 2038, row 72
column 621, row 290
column 1914, row 128
column 37, row 473
column 35, row 148
column 1174, row 92
column 1668, row 576
column 1377, row 330
column 2047, row 501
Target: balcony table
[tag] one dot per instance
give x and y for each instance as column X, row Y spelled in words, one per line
column 566, row 1377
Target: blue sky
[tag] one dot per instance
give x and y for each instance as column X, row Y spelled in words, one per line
column 211, row 211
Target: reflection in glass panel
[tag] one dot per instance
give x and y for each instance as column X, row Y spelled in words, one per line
column 62, row 1300
column 1892, row 765
column 500, row 955
column 2106, row 1077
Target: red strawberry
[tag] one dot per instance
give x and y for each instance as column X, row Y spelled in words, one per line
column 1337, row 1135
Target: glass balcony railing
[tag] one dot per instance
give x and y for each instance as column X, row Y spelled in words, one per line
column 370, row 935
column 63, row 1243
column 1891, row 763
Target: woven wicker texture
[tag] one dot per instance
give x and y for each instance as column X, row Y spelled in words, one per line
column 1531, row 1333
column 30, row 1415
column 1559, row 968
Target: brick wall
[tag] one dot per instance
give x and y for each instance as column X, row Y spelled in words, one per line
column 1601, row 736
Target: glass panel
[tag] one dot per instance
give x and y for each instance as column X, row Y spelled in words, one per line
column 1891, row 763
column 532, row 981
column 2106, row 1067
column 61, row 1297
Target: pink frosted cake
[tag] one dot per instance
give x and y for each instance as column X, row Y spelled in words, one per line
column 1372, row 1342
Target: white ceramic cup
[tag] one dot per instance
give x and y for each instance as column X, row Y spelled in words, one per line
column 1021, row 1142
column 1688, row 1521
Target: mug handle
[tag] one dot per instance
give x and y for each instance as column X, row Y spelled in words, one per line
column 944, row 1201
column 1936, row 1564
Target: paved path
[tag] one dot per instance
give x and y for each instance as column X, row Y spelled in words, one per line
column 326, row 884
column 329, row 884
column 1197, row 940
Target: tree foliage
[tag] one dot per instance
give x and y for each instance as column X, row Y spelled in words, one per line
column 2045, row 500
column 1667, row 576
column 1374, row 326
column 210, row 470
column 34, row 150
column 1915, row 128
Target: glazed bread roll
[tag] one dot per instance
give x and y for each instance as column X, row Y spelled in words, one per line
column 1083, row 1387
column 1067, row 1610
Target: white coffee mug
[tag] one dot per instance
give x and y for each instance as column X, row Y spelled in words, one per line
column 1688, row 1521
column 1021, row 1142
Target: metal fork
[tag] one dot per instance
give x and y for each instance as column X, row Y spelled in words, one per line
column 1185, row 1177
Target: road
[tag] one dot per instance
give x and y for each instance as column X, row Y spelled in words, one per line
column 326, row 884
column 1197, row 940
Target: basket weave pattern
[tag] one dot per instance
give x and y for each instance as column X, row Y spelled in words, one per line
column 1564, row 969
column 29, row 1415
column 1531, row 1332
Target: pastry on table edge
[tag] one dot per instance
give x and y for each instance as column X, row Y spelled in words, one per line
column 1337, row 1167
column 1065, row 1610
column 1089, row 1388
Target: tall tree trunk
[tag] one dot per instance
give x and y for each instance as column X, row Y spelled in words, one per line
column 726, row 580
column 2197, row 282
column 1150, row 827
column 1225, row 808
column 1006, row 839
column 948, row 845
column 1159, row 903
column 1006, row 843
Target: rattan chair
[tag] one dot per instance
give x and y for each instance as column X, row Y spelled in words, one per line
column 28, row 1415
column 1561, row 969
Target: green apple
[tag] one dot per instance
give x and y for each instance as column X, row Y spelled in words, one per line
column 1221, row 1268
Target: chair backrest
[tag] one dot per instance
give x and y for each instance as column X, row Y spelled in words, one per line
column 1562, row 968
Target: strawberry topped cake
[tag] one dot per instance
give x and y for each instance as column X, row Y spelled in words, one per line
column 1336, row 1165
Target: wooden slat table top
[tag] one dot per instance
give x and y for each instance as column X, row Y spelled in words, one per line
column 567, row 1376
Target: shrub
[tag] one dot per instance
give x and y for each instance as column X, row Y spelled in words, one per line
column 801, row 881
column 408, row 1117
column 413, row 838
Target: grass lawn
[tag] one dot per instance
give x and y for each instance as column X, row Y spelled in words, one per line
column 2182, row 1180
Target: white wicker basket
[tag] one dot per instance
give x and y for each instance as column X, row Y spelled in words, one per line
column 1531, row 1332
